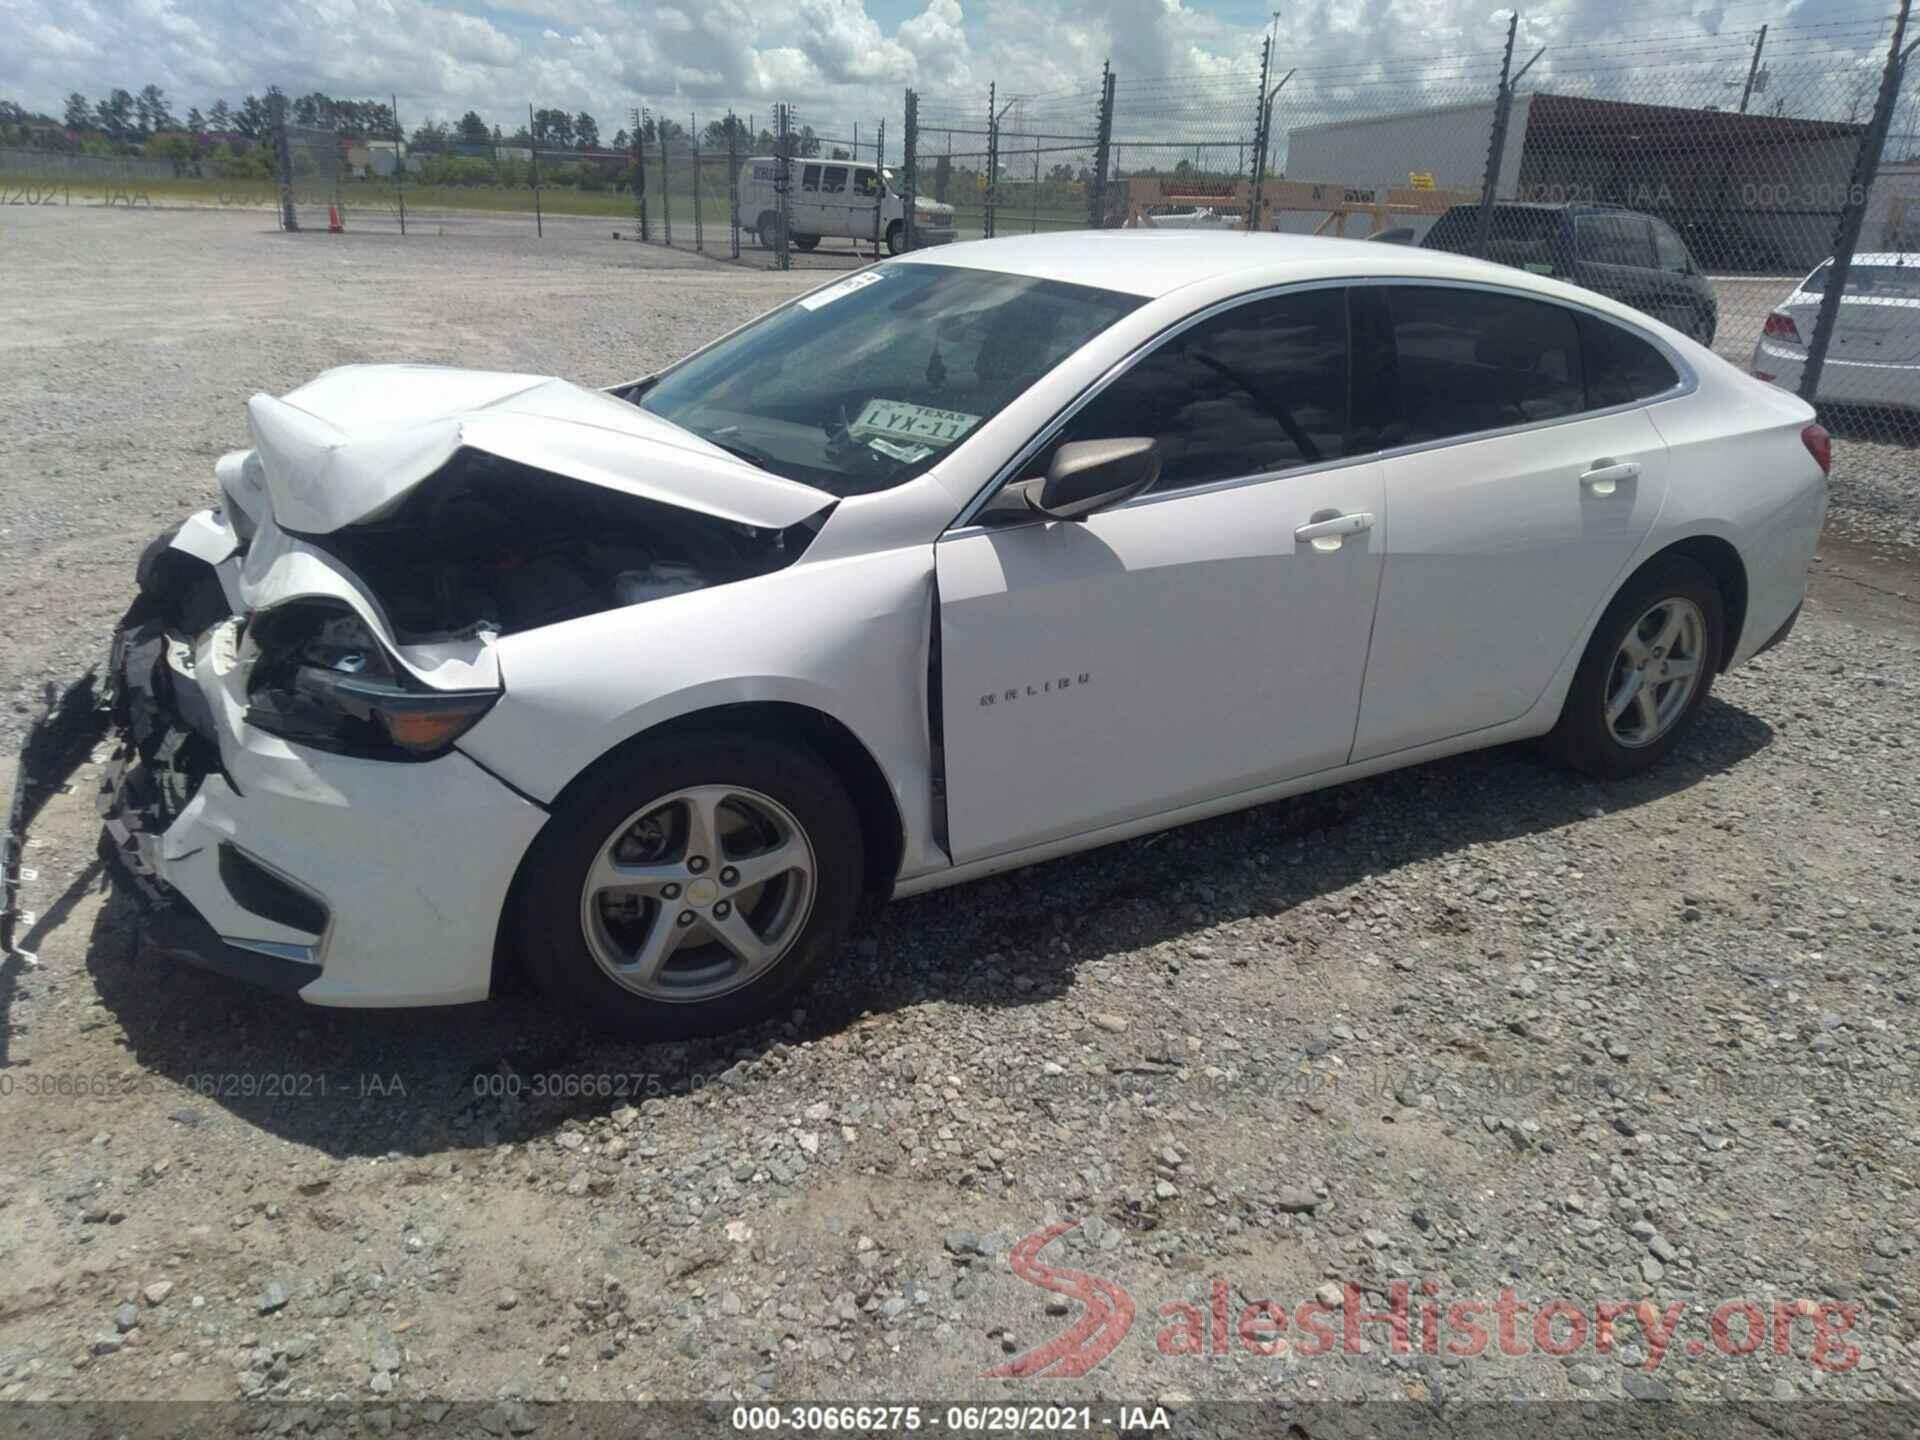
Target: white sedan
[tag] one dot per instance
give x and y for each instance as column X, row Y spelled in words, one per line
column 1873, row 358
column 964, row 561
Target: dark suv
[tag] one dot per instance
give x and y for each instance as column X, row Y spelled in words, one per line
column 1635, row 258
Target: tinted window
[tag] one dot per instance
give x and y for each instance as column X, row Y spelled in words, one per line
column 1517, row 235
column 1621, row 367
column 835, row 180
column 1472, row 360
column 1671, row 250
column 1615, row 240
column 1891, row 282
column 810, row 177
column 1260, row 388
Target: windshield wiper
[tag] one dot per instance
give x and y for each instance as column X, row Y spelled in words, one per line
column 757, row 458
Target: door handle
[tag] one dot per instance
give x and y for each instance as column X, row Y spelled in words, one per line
column 1325, row 531
column 1605, row 475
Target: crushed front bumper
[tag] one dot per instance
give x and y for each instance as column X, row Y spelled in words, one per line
column 346, row 881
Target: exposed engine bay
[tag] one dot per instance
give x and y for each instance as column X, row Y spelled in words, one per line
column 490, row 544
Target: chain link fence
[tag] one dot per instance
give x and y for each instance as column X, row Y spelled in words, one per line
column 1759, row 191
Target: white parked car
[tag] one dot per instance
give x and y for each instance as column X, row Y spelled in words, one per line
column 1874, row 355
column 955, row 564
column 836, row 199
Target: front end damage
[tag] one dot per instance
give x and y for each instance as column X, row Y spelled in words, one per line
column 288, row 798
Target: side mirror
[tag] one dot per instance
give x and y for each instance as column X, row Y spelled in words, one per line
column 1090, row 475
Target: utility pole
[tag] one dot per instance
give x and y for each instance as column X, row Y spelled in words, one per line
column 1497, row 145
column 1753, row 70
column 1866, row 166
column 533, row 150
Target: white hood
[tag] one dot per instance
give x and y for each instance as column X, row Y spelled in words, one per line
column 347, row 446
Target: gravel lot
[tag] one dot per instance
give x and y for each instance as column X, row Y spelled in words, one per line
column 1478, row 1025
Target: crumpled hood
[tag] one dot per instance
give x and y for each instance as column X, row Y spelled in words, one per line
column 351, row 444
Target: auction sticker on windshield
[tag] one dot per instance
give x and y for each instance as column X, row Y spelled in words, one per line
column 903, row 421
column 851, row 285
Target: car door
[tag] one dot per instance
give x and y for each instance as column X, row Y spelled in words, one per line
column 834, row 199
column 1194, row 642
column 1613, row 253
column 863, row 199
column 809, row 209
column 1682, row 300
column 1528, row 474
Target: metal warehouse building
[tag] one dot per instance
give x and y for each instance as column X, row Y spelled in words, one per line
column 1751, row 192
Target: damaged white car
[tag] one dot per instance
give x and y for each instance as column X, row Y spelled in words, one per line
column 961, row 562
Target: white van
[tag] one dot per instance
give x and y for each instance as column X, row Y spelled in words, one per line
column 836, row 199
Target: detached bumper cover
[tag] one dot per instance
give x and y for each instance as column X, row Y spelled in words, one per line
column 347, row 881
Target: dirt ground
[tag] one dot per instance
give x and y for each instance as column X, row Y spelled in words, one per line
column 1478, row 1027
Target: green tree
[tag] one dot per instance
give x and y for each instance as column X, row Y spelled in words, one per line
column 251, row 118
column 622, row 140
column 155, row 113
column 553, row 129
column 79, row 112
column 473, row 130
column 433, row 132
column 586, row 131
column 219, row 117
column 115, row 114
column 196, row 122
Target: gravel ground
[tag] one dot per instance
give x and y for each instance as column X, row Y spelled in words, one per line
column 1478, row 1026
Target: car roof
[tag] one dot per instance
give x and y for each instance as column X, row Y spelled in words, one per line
column 1885, row 257
column 1152, row 263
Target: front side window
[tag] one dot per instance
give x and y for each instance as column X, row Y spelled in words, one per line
column 1470, row 360
column 834, row 181
column 866, row 183
column 1253, row 390
column 865, row 384
column 1671, row 249
column 1615, row 240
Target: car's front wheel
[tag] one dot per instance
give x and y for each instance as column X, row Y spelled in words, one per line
column 1646, row 671
column 691, row 887
column 767, row 227
column 896, row 237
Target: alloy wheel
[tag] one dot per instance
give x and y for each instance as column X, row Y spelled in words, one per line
column 699, row 894
column 1655, row 672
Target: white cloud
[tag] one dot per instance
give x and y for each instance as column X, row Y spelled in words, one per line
column 832, row 58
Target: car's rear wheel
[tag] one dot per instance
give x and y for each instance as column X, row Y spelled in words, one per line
column 805, row 242
column 1647, row 671
column 767, row 227
column 692, row 887
column 896, row 237
column 1701, row 327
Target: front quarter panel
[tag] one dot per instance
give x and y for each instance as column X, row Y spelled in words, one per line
column 845, row 636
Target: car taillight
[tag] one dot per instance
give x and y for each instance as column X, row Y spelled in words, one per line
column 1780, row 325
column 1819, row 445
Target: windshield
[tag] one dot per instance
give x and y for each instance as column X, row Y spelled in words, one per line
column 1895, row 282
column 863, row 385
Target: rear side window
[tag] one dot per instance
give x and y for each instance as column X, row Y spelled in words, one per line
column 834, row 182
column 1621, row 367
column 810, row 177
column 1471, row 360
column 1615, row 240
column 1256, row 389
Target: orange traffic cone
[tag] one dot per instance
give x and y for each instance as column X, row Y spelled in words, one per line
column 334, row 227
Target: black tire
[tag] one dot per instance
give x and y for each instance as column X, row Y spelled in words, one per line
column 767, row 227
column 1583, row 738
column 1702, row 328
column 896, row 237
column 805, row 242
column 549, row 927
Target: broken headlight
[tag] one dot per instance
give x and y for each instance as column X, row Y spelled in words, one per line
column 320, row 677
